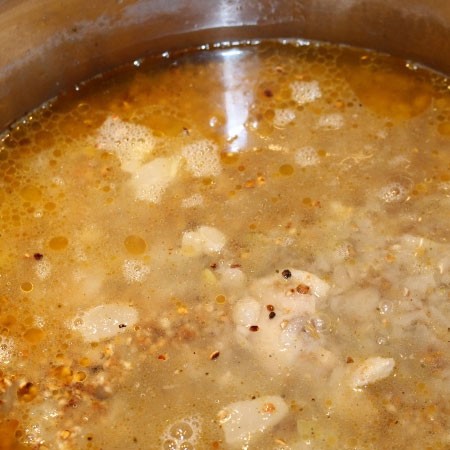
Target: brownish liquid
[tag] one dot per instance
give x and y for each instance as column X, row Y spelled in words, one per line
column 146, row 213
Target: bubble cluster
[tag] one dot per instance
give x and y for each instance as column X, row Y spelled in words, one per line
column 182, row 435
column 6, row 350
column 135, row 271
column 202, row 158
column 306, row 156
column 43, row 269
column 129, row 141
column 283, row 117
column 304, row 92
column 394, row 192
column 333, row 121
column 192, row 201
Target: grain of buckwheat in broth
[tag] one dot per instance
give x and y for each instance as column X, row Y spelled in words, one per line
column 240, row 247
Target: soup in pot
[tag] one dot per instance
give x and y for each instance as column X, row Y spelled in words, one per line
column 238, row 247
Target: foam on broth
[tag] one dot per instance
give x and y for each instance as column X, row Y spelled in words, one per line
column 240, row 247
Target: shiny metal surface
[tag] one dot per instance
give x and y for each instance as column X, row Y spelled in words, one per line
column 49, row 45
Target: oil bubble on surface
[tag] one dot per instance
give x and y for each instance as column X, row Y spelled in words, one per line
column 182, row 434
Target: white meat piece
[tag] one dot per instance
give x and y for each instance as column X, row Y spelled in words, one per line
column 279, row 286
column 371, row 370
column 150, row 180
column 131, row 142
column 427, row 261
column 281, row 338
column 105, row 321
column 245, row 421
column 204, row 239
column 356, row 304
column 246, row 312
column 232, row 279
column 303, row 92
column 202, row 158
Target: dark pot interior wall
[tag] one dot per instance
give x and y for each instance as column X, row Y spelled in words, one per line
column 49, row 45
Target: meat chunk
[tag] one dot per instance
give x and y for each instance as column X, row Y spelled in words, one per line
column 204, row 239
column 372, row 370
column 105, row 321
column 274, row 320
column 245, row 421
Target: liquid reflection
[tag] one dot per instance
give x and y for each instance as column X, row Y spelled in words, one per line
column 238, row 97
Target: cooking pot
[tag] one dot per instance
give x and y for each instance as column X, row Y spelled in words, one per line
column 50, row 45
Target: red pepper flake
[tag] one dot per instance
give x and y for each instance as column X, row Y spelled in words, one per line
column 213, row 266
column 272, row 314
column 214, row 355
column 235, row 266
column 268, row 93
column 38, row 256
column 270, row 308
column 349, row 360
column 254, row 328
column 286, row 274
column 162, row 357
column 303, row 289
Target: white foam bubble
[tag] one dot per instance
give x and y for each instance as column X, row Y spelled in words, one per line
column 283, row 117
column 181, row 434
column 202, row 158
column 192, row 201
column 343, row 251
column 43, row 269
column 304, row 92
column 333, row 121
column 306, row 156
column 6, row 349
column 135, row 271
column 393, row 192
column 129, row 141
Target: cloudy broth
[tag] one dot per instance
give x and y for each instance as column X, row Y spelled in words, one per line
column 238, row 247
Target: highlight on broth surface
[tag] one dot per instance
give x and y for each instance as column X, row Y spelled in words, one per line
column 240, row 247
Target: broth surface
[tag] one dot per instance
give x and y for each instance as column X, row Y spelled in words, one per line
column 240, row 247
